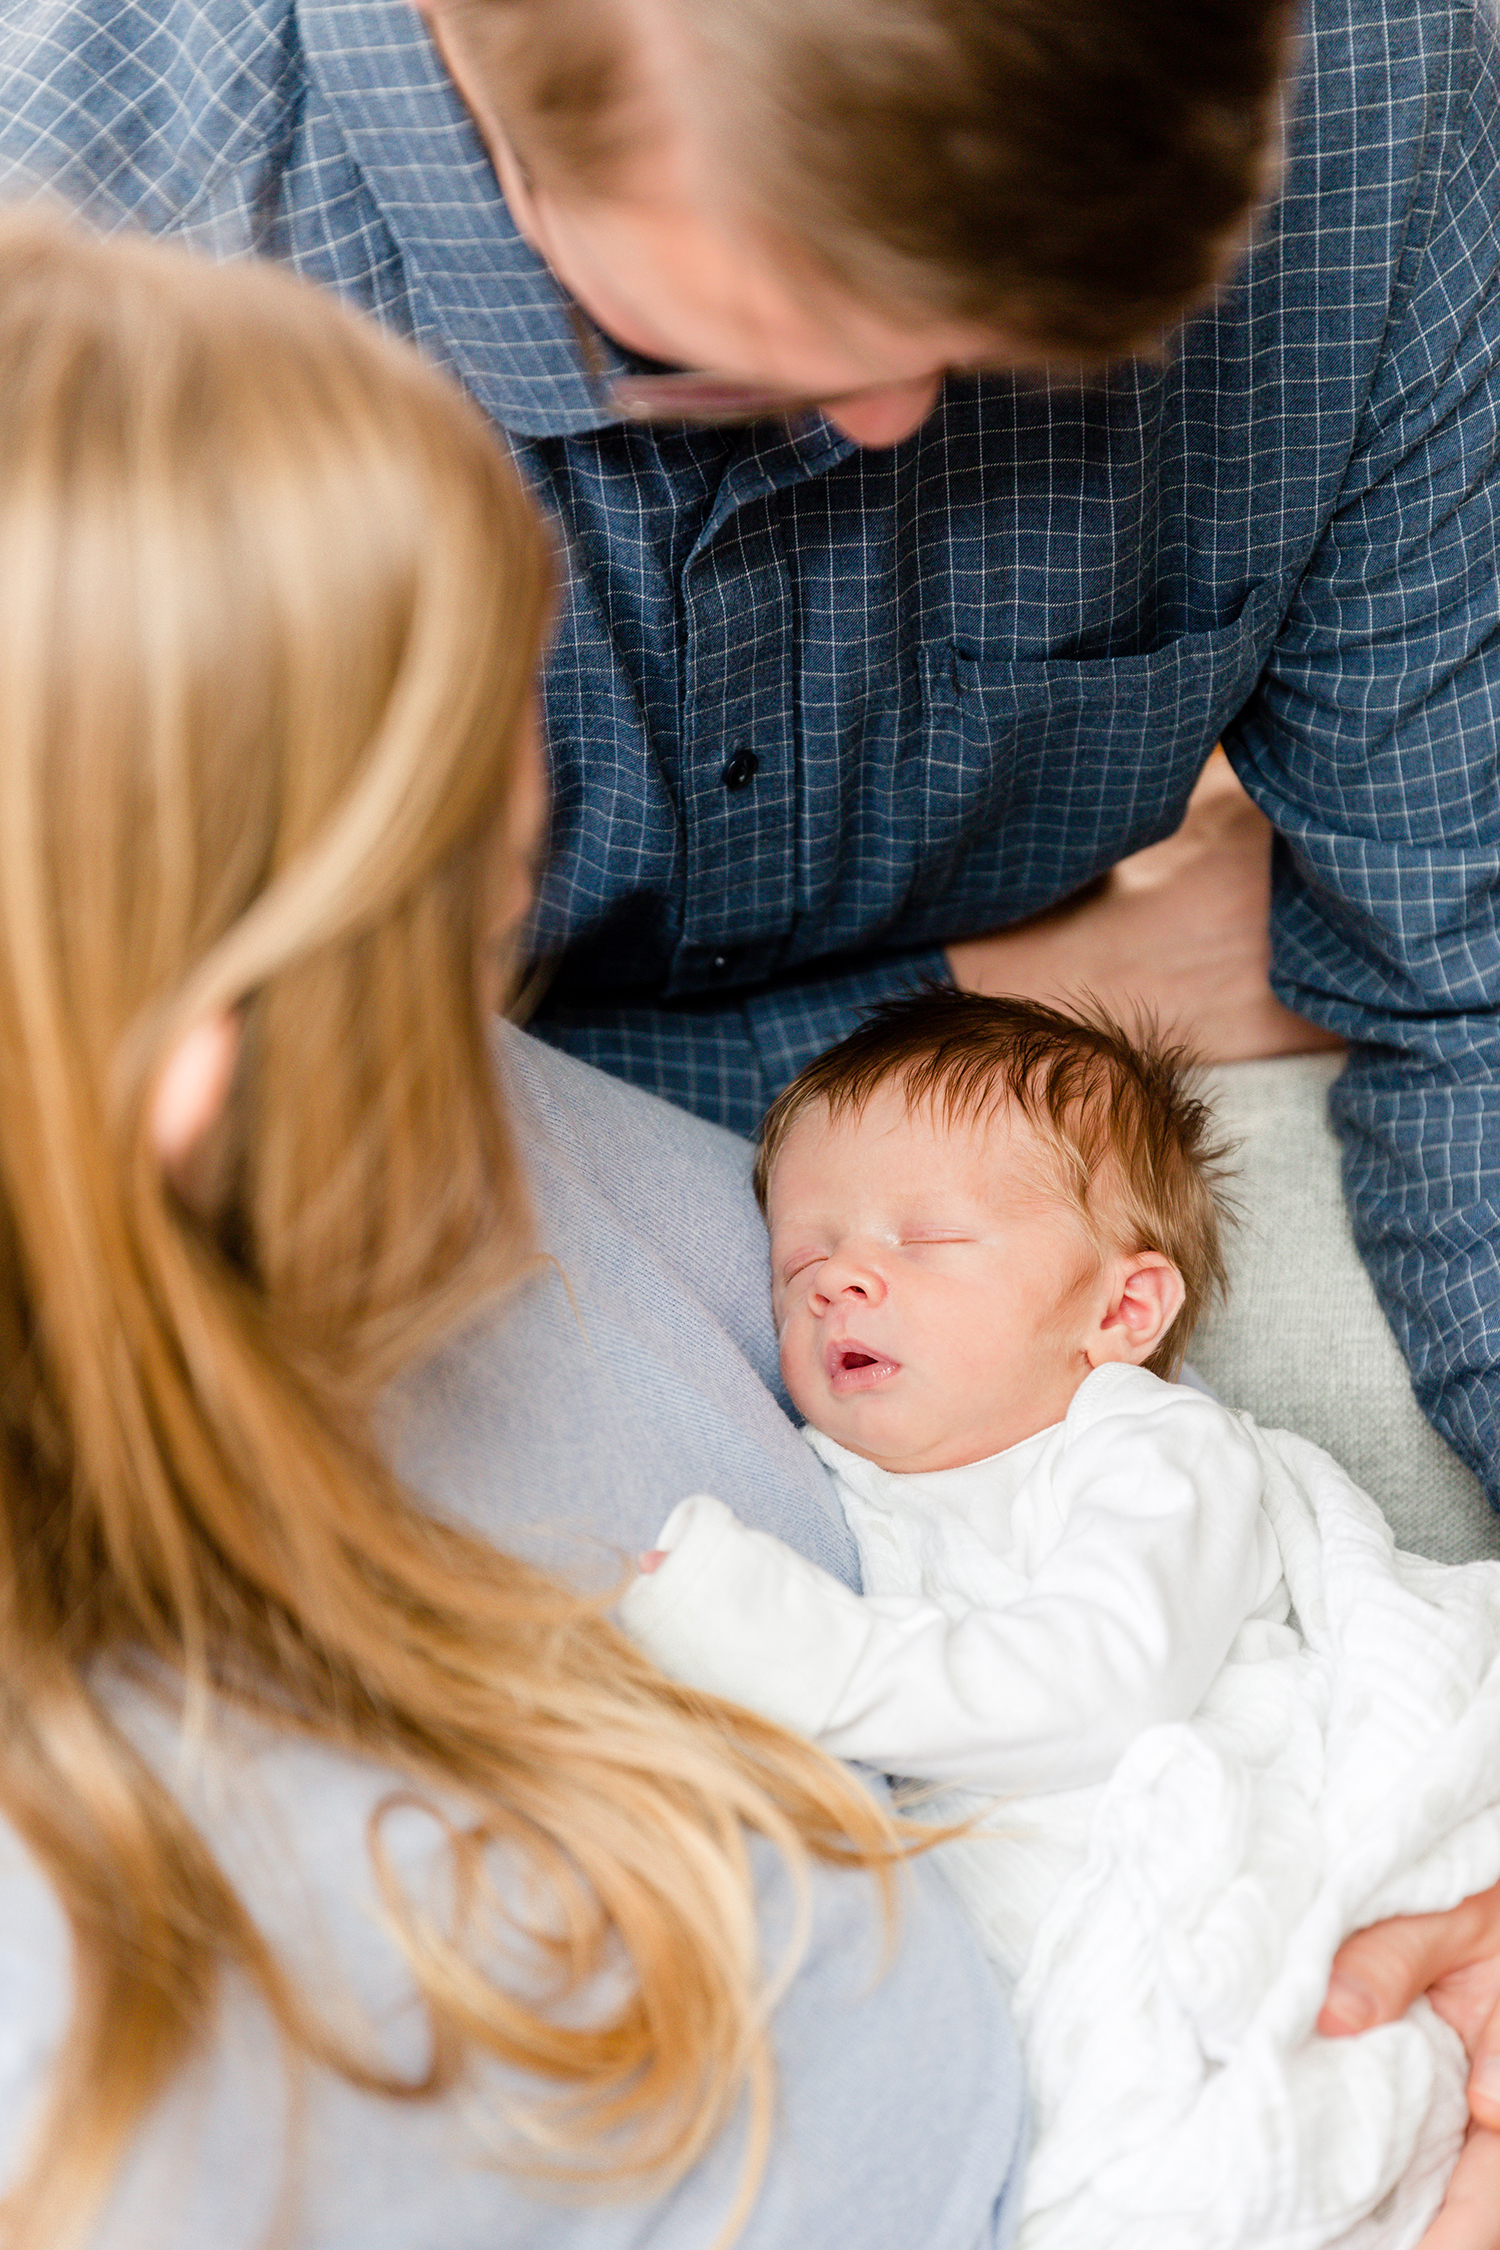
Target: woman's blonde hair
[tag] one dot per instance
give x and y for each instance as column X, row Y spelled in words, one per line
column 270, row 605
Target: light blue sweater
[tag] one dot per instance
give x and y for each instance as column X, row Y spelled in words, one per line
column 562, row 1427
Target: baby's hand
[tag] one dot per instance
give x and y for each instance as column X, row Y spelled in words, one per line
column 653, row 1560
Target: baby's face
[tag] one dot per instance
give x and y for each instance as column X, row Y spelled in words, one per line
column 933, row 1288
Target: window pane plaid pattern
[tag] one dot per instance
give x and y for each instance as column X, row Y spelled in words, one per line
column 972, row 672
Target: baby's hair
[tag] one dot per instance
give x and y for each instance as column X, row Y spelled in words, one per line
column 1135, row 1148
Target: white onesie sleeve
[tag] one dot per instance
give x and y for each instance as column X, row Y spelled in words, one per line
column 1162, row 1557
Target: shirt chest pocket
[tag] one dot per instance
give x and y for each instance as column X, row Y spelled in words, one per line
column 1038, row 774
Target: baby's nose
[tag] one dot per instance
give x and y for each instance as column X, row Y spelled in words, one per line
column 843, row 1278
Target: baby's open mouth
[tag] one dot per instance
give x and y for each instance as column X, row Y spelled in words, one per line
column 852, row 1366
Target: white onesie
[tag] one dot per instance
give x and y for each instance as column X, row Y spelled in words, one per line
column 1213, row 1722
column 1025, row 1617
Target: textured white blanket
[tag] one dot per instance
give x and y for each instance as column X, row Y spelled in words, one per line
column 1167, row 1931
column 1183, row 2101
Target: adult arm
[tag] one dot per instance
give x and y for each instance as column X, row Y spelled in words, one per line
column 1455, row 1959
column 1180, row 929
column 1371, row 746
column 900, row 2107
column 634, row 1364
column 1123, row 1625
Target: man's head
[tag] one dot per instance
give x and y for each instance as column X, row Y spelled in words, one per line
column 840, row 199
column 972, row 1203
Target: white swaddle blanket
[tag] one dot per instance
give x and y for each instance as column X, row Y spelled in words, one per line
column 1173, row 1927
column 1182, row 2098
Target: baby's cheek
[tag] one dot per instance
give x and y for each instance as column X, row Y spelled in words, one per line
column 797, row 1367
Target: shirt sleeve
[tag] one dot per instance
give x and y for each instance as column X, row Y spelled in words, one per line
column 1371, row 745
column 1123, row 1626
column 166, row 117
column 728, row 1064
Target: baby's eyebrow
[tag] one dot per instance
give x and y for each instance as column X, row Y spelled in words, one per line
column 956, row 1210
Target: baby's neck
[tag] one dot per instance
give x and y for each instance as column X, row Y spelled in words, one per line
column 940, row 1460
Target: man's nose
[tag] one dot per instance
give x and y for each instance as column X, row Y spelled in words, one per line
column 885, row 416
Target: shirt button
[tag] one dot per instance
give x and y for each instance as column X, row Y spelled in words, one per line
column 741, row 769
column 719, row 965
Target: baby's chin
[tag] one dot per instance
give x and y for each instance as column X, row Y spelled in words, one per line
column 912, row 1459
column 876, row 1423
column 890, row 1431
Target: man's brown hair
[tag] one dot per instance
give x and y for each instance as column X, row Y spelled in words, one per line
column 1070, row 173
column 1135, row 1148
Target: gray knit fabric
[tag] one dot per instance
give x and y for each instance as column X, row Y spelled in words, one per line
column 1302, row 1341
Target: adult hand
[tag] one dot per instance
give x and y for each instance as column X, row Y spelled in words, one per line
column 1182, row 928
column 1455, row 1959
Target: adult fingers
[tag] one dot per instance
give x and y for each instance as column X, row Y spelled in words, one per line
column 1378, row 1972
column 1484, row 2080
column 1470, row 2217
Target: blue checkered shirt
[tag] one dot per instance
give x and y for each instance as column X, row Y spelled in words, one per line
column 972, row 672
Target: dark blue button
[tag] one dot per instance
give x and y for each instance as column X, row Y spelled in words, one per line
column 741, row 770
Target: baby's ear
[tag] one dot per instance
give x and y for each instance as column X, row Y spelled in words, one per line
column 1146, row 1294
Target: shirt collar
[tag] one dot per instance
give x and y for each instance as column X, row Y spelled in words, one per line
column 482, row 298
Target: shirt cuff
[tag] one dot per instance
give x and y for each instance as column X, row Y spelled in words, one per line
column 791, row 1024
column 737, row 1614
column 728, row 1063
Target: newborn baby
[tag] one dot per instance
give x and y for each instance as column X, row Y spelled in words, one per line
column 992, row 1227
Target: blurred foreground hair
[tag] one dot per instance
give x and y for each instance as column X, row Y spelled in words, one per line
column 271, row 600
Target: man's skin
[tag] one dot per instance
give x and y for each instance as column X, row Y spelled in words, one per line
column 1455, row 1959
column 1183, row 926
column 671, row 265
